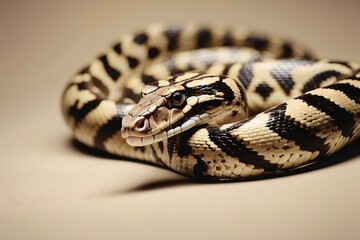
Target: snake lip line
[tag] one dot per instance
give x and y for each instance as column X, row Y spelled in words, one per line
column 170, row 131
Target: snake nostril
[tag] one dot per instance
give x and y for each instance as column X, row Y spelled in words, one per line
column 141, row 124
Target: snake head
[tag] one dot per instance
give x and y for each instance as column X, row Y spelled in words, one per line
column 172, row 106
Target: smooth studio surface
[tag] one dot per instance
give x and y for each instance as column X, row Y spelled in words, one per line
column 53, row 188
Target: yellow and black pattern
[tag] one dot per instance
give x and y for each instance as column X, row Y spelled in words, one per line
column 217, row 102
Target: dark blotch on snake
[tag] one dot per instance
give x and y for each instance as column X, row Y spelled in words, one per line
column 282, row 72
column 146, row 79
column 112, row 72
column 153, row 52
column 246, row 74
column 264, row 90
column 228, row 40
column 141, row 38
column 257, row 42
column 287, row 51
column 133, row 62
column 117, row 48
column 203, row 38
column 172, row 34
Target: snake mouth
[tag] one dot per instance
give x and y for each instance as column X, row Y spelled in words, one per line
column 170, row 131
column 175, row 128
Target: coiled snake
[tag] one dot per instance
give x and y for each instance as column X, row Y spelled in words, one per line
column 218, row 102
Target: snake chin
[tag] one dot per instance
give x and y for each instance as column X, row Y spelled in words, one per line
column 136, row 141
column 139, row 141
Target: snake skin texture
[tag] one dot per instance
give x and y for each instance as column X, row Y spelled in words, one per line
column 215, row 102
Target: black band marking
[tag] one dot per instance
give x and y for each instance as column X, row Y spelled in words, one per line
column 346, row 64
column 349, row 90
column 94, row 82
column 228, row 40
column 246, row 74
column 282, row 72
column 200, row 108
column 107, row 130
column 226, row 69
column 342, row 118
column 288, row 128
column 181, row 141
column 112, row 72
column 211, row 89
column 316, row 80
column 100, row 85
column 223, row 87
column 172, row 35
column 79, row 114
column 171, row 146
column 237, row 149
column 204, row 37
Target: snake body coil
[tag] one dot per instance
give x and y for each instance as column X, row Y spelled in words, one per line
column 202, row 82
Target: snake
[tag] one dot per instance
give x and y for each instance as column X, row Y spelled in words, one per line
column 214, row 102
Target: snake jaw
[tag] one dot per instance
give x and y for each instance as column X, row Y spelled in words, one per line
column 167, row 133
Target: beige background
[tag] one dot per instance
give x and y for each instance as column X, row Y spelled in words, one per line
column 51, row 189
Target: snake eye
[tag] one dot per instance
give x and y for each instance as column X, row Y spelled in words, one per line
column 177, row 99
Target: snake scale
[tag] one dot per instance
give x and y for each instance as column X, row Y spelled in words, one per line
column 215, row 102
